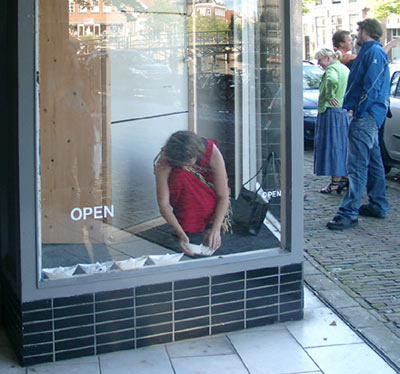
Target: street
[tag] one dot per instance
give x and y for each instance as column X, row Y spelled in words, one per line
column 362, row 262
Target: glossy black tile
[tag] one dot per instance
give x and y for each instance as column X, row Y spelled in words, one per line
column 260, row 292
column 225, row 278
column 115, row 315
column 33, row 327
column 288, row 287
column 291, row 296
column 262, row 301
column 153, row 320
column 153, row 330
column 227, row 307
column 37, row 349
column 41, row 315
column 114, row 304
column 153, row 299
column 115, row 337
column 227, row 317
column 192, row 313
column 45, row 337
column 291, row 268
column 234, row 326
column 115, row 326
column 262, row 272
column 73, row 300
column 161, row 339
column 192, row 292
column 73, row 322
column 73, row 343
column 192, row 323
column 34, row 305
column 227, row 287
column 114, row 347
column 262, row 312
column 36, row 360
column 192, row 303
column 291, row 307
column 116, row 294
column 224, row 298
column 190, row 334
column 153, row 309
column 262, row 282
column 75, row 353
column 250, row 323
column 153, row 289
column 73, row 310
column 74, row 332
column 293, row 277
column 191, row 283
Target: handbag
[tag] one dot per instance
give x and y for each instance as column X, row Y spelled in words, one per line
column 250, row 208
column 272, row 184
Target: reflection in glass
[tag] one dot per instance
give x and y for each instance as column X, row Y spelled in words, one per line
column 117, row 79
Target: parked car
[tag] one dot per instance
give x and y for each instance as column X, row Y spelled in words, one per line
column 312, row 75
column 390, row 134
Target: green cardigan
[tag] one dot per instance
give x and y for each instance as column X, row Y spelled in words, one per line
column 333, row 85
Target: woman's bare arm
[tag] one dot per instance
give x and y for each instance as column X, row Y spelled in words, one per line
column 220, row 180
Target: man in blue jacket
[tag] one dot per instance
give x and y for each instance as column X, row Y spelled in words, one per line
column 367, row 98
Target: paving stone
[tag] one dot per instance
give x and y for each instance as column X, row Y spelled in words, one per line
column 363, row 261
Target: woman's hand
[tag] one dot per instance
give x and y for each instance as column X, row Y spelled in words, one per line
column 183, row 240
column 213, row 239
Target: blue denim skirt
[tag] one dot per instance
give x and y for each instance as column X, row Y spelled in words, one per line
column 330, row 142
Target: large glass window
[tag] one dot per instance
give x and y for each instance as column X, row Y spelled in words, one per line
column 114, row 92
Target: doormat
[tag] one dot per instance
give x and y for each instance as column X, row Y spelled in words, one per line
column 237, row 242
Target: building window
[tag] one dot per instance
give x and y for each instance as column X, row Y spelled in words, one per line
column 121, row 101
column 320, row 31
column 83, row 7
column 353, row 19
column 71, row 4
column 94, row 8
column 336, row 23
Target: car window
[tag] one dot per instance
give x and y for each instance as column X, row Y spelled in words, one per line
column 312, row 76
column 394, row 85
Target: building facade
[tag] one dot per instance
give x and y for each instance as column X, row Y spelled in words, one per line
column 93, row 90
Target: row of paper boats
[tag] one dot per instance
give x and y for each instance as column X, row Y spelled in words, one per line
column 61, row 272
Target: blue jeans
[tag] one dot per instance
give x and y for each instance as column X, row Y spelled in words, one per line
column 365, row 169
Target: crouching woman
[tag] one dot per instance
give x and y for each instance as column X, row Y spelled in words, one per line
column 191, row 179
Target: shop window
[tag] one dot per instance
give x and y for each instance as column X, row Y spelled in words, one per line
column 94, row 8
column 71, row 5
column 107, row 108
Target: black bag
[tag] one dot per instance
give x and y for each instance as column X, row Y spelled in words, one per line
column 272, row 184
column 250, row 208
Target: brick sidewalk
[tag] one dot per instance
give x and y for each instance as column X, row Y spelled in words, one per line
column 363, row 261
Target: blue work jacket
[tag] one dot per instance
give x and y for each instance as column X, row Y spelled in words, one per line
column 368, row 86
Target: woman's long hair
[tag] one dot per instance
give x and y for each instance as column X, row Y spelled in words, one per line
column 182, row 147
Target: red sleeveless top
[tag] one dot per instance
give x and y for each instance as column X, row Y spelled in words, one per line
column 193, row 202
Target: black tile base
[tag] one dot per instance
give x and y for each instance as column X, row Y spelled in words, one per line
column 63, row 328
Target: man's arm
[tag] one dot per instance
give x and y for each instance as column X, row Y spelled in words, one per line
column 375, row 63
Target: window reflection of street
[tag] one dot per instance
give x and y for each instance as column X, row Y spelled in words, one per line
column 160, row 70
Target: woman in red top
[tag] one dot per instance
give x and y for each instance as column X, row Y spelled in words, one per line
column 191, row 178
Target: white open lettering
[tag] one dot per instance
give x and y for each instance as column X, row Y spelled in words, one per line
column 98, row 212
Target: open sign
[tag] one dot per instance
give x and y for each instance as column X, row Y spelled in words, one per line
column 96, row 212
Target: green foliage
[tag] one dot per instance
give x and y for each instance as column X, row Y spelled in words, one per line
column 304, row 6
column 384, row 8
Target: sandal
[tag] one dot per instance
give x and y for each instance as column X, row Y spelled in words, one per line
column 337, row 186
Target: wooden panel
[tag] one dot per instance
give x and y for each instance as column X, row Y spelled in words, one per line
column 74, row 132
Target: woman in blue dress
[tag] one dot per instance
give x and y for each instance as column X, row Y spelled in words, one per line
column 330, row 140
